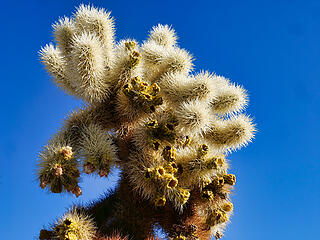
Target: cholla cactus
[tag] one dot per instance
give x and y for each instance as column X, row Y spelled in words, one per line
column 167, row 128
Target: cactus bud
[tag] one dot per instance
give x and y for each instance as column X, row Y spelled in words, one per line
column 169, row 153
column 183, row 195
column 43, row 183
column 172, row 182
column 77, row 191
column 66, row 152
column 104, row 172
column 208, row 195
column 134, row 59
column 218, row 182
column 171, row 167
column 152, row 124
column 130, row 45
column 230, row 179
column 160, row 201
column 88, row 168
column 160, row 172
column 57, row 170
column 227, row 207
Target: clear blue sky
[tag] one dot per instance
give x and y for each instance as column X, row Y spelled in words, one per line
column 271, row 47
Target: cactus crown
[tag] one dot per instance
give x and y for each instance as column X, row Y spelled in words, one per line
column 167, row 128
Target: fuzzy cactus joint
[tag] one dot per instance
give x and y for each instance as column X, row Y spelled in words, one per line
column 167, row 129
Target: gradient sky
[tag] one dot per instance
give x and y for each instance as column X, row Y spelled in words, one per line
column 270, row 47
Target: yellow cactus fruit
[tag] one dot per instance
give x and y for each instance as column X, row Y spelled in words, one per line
column 160, row 201
column 152, row 124
column 183, row 195
column 169, row 153
column 74, row 226
column 220, row 160
column 171, row 167
column 217, row 217
column 155, row 89
column 160, row 172
column 180, row 237
column 141, row 95
column 227, row 207
column 211, row 163
column 205, row 181
column 171, row 181
column 135, row 58
column 130, row 45
column 218, row 182
column 207, row 194
column 230, row 179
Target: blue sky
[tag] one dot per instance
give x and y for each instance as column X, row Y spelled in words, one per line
column 270, row 47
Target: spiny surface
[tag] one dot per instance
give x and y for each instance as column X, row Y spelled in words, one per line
column 167, row 128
